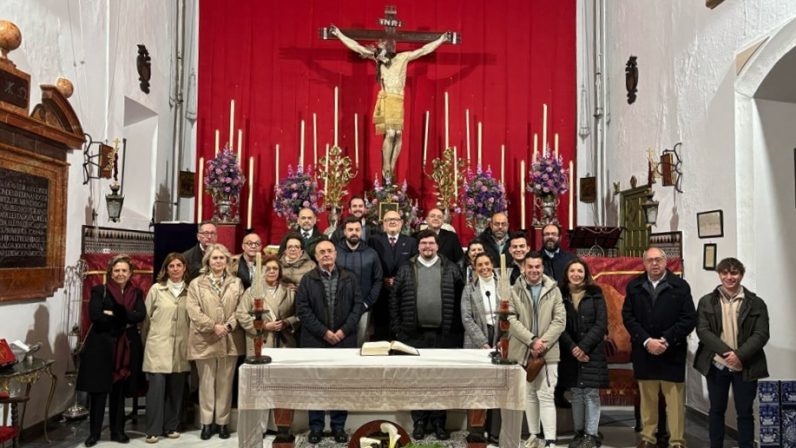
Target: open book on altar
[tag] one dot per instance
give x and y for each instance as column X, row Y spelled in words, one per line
column 385, row 348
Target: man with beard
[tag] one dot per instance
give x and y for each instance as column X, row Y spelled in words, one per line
column 518, row 248
column 206, row 234
column 243, row 264
column 308, row 230
column 554, row 258
column 447, row 241
column 394, row 249
column 356, row 208
column 425, row 303
column 495, row 238
column 364, row 262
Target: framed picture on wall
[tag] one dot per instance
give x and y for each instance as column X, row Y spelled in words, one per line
column 709, row 257
column 385, row 207
column 710, row 224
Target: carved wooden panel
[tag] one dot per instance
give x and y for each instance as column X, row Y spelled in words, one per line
column 636, row 234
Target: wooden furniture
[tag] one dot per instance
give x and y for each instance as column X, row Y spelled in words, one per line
column 10, row 432
column 27, row 372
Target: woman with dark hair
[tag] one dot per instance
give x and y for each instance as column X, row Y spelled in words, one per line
column 584, row 365
column 214, row 339
column 474, row 249
column 166, row 349
column 280, row 322
column 112, row 354
column 295, row 261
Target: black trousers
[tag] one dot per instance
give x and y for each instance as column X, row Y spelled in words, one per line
column 115, row 410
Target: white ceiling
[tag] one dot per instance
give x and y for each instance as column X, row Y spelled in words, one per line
column 780, row 84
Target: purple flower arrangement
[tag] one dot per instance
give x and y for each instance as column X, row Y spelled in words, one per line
column 548, row 177
column 223, row 175
column 296, row 191
column 393, row 194
column 483, row 196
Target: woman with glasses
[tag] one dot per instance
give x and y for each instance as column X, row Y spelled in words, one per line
column 294, row 261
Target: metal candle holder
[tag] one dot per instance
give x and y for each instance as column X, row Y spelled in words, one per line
column 501, row 353
column 259, row 328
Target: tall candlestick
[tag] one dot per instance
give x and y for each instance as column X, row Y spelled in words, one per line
column 535, row 147
column 480, row 136
column 467, row 132
column 425, row 142
column 336, row 102
column 544, row 130
column 447, row 127
column 231, row 141
column 326, row 170
column 301, row 145
column 251, row 193
column 200, row 196
column 571, row 196
column 276, row 181
column 356, row 140
column 455, row 172
column 522, row 194
column 314, row 139
column 240, row 144
column 218, row 136
column 556, row 144
column 503, row 164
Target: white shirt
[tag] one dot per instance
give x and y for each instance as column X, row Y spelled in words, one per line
column 488, row 285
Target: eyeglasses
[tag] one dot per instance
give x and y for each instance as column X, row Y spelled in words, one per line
column 253, row 244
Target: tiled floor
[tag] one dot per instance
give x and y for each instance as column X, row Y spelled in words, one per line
column 616, row 426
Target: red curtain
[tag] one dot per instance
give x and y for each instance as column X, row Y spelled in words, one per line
column 515, row 56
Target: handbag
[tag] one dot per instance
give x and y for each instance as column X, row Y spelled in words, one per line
column 533, row 366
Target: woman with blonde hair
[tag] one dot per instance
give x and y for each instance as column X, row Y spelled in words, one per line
column 214, row 339
column 166, row 350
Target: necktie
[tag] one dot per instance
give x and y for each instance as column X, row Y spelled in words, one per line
column 306, row 235
column 393, row 241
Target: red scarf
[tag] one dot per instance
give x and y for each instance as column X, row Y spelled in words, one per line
column 121, row 355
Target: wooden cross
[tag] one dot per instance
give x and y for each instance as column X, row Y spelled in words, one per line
column 390, row 35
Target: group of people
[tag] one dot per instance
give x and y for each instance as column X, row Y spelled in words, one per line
column 366, row 283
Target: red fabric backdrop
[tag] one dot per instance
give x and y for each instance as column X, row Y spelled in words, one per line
column 515, row 56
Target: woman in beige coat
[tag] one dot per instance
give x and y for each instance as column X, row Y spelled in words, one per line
column 166, row 351
column 281, row 322
column 294, row 261
column 214, row 339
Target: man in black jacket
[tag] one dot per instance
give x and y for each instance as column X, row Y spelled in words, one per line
column 308, row 230
column 495, row 238
column 554, row 259
column 205, row 234
column 425, row 307
column 328, row 303
column 447, row 241
column 659, row 315
column 357, row 209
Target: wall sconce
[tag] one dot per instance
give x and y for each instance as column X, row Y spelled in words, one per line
column 669, row 168
column 114, row 201
column 650, row 208
column 105, row 165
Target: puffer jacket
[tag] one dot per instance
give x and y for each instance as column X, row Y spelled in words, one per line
column 586, row 328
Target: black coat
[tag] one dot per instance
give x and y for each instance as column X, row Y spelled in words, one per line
column 753, row 334
column 672, row 317
column 491, row 248
column 586, row 328
column 311, row 308
column 554, row 266
column 391, row 258
column 403, row 304
column 194, row 258
column 97, row 357
column 365, row 264
column 449, row 246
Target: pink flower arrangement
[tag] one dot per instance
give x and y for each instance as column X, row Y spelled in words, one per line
column 224, row 176
column 296, row 191
column 548, row 177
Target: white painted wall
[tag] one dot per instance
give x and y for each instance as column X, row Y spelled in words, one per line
column 94, row 45
column 687, row 92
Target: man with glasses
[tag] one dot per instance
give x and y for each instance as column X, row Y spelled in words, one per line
column 205, row 235
column 659, row 314
column 495, row 238
column 243, row 264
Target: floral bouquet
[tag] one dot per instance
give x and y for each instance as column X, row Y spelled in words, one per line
column 392, row 196
column 224, row 181
column 483, row 196
column 296, row 191
column 547, row 180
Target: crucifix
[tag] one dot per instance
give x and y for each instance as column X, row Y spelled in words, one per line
column 388, row 114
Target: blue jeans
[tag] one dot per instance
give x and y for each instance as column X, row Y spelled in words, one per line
column 586, row 409
column 744, row 392
column 336, row 420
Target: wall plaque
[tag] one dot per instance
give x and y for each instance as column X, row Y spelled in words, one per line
column 23, row 199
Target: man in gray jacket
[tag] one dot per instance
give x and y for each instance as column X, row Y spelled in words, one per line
column 538, row 319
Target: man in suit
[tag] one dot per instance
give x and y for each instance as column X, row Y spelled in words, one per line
column 659, row 314
column 328, row 303
column 449, row 245
column 308, row 230
column 206, row 234
column 243, row 264
column 394, row 249
column 495, row 238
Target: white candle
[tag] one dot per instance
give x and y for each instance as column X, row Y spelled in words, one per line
column 336, row 101
column 218, row 136
column 535, row 147
column 455, row 173
column 356, row 140
column 301, row 145
column 502, row 164
column 467, row 132
column 447, row 139
column 522, row 194
column 556, row 144
column 425, row 142
column 544, row 129
column 240, row 144
column 251, row 193
column 314, row 139
column 571, row 196
column 200, row 196
column 480, row 136
column 276, row 182
column 231, row 123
